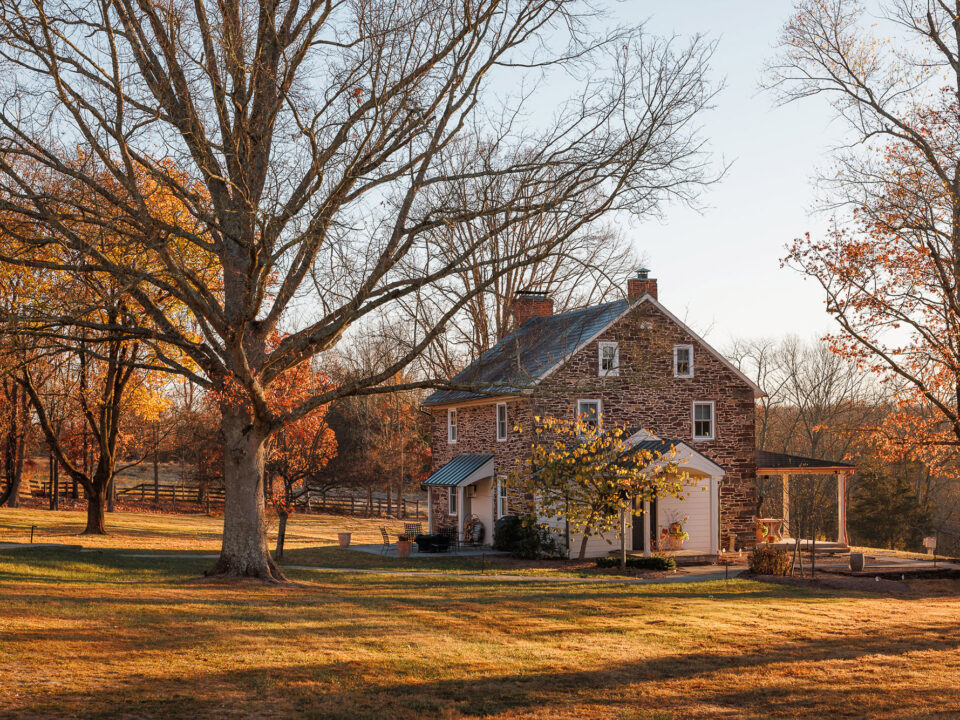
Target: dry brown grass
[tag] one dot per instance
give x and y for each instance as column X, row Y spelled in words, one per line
column 167, row 532
column 100, row 635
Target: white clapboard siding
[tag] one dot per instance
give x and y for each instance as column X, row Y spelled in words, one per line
column 695, row 506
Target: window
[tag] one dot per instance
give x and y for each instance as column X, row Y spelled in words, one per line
column 501, row 421
column 683, row 361
column 452, row 425
column 452, row 501
column 703, row 420
column 502, row 509
column 609, row 359
column 589, row 410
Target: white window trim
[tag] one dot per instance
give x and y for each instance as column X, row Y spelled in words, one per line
column 713, row 420
column 501, row 499
column 690, row 350
column 451, row 495
column 453, row 426
column 599, row 404
column 506, row 420
column 615, row 370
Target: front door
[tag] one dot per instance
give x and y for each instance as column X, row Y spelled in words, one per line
column 637, row 519
column 638, row 525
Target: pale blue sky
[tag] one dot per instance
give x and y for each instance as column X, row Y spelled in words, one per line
column 720, row 269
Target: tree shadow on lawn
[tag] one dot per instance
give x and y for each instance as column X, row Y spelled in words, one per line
column 769, row 683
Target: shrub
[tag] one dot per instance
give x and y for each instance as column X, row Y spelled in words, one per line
column 768, row 560
column 656, row 562
column 525, row 538
column 505, row 533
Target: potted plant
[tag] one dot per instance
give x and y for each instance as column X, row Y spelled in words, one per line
column 403, row 546
column 676, row 535
column 344, row 539
column 761, row 531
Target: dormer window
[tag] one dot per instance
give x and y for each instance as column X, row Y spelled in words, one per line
column 452, row 425
column 609, row 359
column 683, row 361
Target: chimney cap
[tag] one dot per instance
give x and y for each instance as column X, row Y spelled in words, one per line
column 531, row 294
column 643, row 273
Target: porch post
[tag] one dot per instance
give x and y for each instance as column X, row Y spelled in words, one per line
column 715, row 543
column 460, row 494
column 842, row 508
column 785, row 480
column 646, row 529
column 430, row 510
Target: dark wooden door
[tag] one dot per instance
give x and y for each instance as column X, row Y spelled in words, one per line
column 638, row 527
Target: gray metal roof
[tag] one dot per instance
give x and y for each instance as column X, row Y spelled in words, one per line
column 458, row 469
column 529, row 352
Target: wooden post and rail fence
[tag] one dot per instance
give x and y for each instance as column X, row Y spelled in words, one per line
column 332, row 503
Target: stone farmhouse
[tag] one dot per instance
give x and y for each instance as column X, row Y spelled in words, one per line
column 630, row 361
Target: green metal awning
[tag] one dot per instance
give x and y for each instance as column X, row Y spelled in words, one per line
column 464, row 469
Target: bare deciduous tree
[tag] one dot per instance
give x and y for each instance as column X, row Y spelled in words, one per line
column 305, row 142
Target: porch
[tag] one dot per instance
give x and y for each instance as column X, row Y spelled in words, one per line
column 463, row 493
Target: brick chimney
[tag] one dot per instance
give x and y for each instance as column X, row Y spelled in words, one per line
column 642, row 284
column 528, row 304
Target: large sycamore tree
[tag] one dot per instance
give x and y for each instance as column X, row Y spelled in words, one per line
column 314, row 143
column 890, row 262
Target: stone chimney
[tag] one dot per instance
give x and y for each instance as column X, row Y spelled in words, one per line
column 641, row 285
column 528, row 304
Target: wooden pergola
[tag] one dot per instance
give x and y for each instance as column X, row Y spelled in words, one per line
column 773, row 464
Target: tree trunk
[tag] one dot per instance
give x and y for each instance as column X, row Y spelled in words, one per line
column 18, row 472
column 583, row 544
column 54, row 483
column 156, row 470
column 623, row 540
column 95, row 512
column 244, row 552
column 281, row 535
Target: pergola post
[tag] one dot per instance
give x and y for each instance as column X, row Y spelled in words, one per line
column 842, row 507
column 785, row 480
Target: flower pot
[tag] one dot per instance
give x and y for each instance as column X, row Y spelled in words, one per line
column 856, row 562
column 674, row 542
column 343, row 539
column 403, row 548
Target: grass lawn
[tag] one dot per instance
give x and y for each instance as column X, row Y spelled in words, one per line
column 103, row 635
column 311, row 540
column 181, row 533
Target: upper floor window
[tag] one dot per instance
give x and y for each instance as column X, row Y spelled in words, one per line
column 501, row 421
column 683, row 361
column 609, row 359
column 452, row 425
column 589, row 411
column 703, row 422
